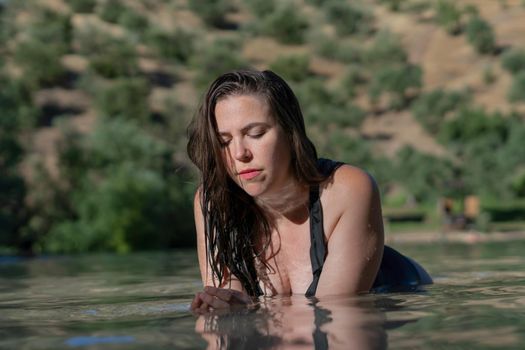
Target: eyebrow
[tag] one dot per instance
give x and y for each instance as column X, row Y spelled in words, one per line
column 246, row 128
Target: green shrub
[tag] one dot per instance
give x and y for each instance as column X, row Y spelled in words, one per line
column 13, row 190
column 51, row 28
column 517, row 89
column 489, row 77
column 177, row 46
column 110, row 10
column 40, row 63
column 133, row 21
column 480, row 35
column 431, row 108
column 348, row 18
column 82, row 6
column 385, row 49
column 217, row 58
column 323, row 107
column 471, row 124
column 338, row 50
column 261, row 8
column 293, row 68
column 285, row 24
column 353, row 78
column 393, row 5
column 124, row 98
column 116, row 59
column 448, row 15
column 212, row 12
column 342, row 115
column 423, row 175
column 126, row 197
column 514, row 60
column 396, row 81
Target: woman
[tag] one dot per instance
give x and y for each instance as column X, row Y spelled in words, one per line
column 272, row 218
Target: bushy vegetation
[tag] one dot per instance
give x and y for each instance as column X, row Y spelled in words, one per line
column 124, row 98
column 218, row 57
column 13, row 211
column 127, row 194
column 293, row 68
column 111, row 10
column 517, row 89
column 285, row 24
column 514, row 60
column 426, row 177
column 261, row 8
column 397, row 82
column 117, row 59
column 486, row 141
column 82, row 6
column 212, row 12
column 448, row 15
column 431, row 108
column 348, row 18
column 45, row 40
column 127, row 184
column 480, row 35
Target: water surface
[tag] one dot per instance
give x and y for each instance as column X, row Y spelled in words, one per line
column 141, row 301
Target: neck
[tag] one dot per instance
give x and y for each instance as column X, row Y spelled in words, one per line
column 290, row 202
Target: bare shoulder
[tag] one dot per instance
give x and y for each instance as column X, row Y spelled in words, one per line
column 349, row 184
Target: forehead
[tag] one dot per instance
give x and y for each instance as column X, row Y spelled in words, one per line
column 237, row 110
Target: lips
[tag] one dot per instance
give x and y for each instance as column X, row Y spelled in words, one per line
column 249, row 174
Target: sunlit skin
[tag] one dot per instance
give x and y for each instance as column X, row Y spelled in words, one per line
column 258, row 157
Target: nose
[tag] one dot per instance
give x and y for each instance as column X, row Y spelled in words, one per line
column 241, row 151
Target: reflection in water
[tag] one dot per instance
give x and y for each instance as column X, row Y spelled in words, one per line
column 478, row 301
column 300, row 323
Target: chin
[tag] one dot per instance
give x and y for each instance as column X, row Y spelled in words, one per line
column 253, row 191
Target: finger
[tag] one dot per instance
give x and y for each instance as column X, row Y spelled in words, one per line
column 221, row 293
column 231, row 296
column 241, row 297
column 214, row 301
column 203, row 308
column 196, row 302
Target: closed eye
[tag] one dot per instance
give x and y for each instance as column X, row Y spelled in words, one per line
column 257, row 133
column 224, row 143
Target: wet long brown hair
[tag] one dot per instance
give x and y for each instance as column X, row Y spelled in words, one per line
column 233, row 222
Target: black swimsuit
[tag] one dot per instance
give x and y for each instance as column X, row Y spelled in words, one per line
column 396, row 272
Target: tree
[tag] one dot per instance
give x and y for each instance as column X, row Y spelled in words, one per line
column 123, row 192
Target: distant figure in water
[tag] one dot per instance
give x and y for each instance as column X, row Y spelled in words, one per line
column 271, row 217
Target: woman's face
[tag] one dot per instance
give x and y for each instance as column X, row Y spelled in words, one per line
column 256, row 151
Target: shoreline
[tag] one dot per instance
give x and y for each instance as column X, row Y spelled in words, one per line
column 469, row 237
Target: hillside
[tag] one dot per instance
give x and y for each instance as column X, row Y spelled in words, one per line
column 411, row 90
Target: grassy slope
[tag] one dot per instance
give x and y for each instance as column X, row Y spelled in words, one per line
column 447, row 61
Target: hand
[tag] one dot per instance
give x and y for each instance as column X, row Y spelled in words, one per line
column 218, row 298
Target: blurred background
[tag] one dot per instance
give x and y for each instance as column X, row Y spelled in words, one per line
column 95, row 97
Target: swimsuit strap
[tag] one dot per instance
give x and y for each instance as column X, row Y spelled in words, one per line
column 318, row 245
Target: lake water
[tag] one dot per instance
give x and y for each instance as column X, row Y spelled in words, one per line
column 141, row 301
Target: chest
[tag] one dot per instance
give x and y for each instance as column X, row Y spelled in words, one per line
column 289, row 267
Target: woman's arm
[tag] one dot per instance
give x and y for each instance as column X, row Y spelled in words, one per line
column 214, row 295
column 355, row 245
